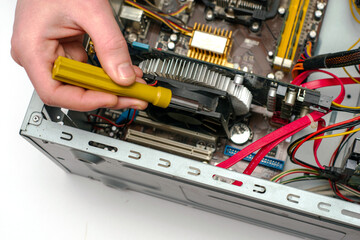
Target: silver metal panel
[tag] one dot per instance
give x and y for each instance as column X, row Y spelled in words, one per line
column 192, row 183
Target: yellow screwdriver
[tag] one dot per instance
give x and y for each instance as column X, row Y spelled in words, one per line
column 91, row 77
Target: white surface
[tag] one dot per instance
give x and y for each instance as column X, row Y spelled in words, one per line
column 40, row 201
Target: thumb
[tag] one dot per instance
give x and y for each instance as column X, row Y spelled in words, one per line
column 110, row 45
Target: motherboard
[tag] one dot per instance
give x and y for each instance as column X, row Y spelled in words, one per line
column 231, row 59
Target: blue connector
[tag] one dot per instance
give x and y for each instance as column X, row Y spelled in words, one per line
column 124, row 117
column 266, row 161
column 140, row 46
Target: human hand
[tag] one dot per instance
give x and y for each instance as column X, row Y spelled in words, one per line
column 44, row 30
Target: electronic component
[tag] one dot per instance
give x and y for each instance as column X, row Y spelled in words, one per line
column 196, row 73
column 133, row 17
column 168, row 145
column 288, row 43
column 210, row 45
column 245, row 12
column 225, row 102
column 240, row 133
column 302, row 22
column 351, row 166
column 266, row 161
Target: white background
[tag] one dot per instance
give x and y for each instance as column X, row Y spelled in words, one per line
column 38, row 200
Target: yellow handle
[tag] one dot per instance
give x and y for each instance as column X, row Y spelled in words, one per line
column 94, row 78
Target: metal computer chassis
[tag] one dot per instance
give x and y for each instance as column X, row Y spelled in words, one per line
column 125, row 165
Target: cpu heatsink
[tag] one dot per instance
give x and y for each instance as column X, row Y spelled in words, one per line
column 200, row 74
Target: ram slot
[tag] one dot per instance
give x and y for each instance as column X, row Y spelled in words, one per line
column 288, row 43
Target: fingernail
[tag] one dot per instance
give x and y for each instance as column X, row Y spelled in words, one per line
column 125, row 71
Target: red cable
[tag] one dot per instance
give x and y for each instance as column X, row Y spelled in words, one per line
column 274, row 136
column 300, row 78
column 327, row 82
column 107, row 120
column 339, row 193
column 265, row 150
column 133, row 117
column 317, row 142
column 153, row 84
column 315, row 133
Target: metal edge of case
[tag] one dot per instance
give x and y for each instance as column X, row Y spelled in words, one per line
column 192, row 183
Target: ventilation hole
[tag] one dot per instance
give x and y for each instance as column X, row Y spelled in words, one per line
column 164, row 163
column 227, row 180
column 293, row 198
column 66, row 136
column 135, row 155
column 103, row 146
column 324, row 206
column 194, row 171
column 350, row 213
column 259, row 189
column 60, row 158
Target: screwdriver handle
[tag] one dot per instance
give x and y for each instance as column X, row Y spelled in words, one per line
column 94, row 78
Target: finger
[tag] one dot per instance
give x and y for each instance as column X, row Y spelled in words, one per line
column 125, row 102
column 110, row 45
column 79, row 99
column 75, row 50
column 138, row 71
column 140, row 80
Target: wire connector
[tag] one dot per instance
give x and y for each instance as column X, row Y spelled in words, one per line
column 331, row 173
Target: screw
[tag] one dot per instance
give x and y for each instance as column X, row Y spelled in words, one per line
column 36, row 118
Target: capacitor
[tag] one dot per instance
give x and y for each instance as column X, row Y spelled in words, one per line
column 271, row 99
column 171, row 45
column 320, row 6
column 279, row 75
column 281, row 11
column 174, row 37
column 271, row 76
column 270, row 55
column 132, row 37
column 240, row 133
column 209, row 15
column 255, row 27
column 318, row 14
column 312, row 34
column 290, row 98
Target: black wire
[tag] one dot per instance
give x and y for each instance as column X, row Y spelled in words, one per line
column 357, row 68
column 334, row 188
column 291, row 148
column 349, row 110
column 341, row 147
